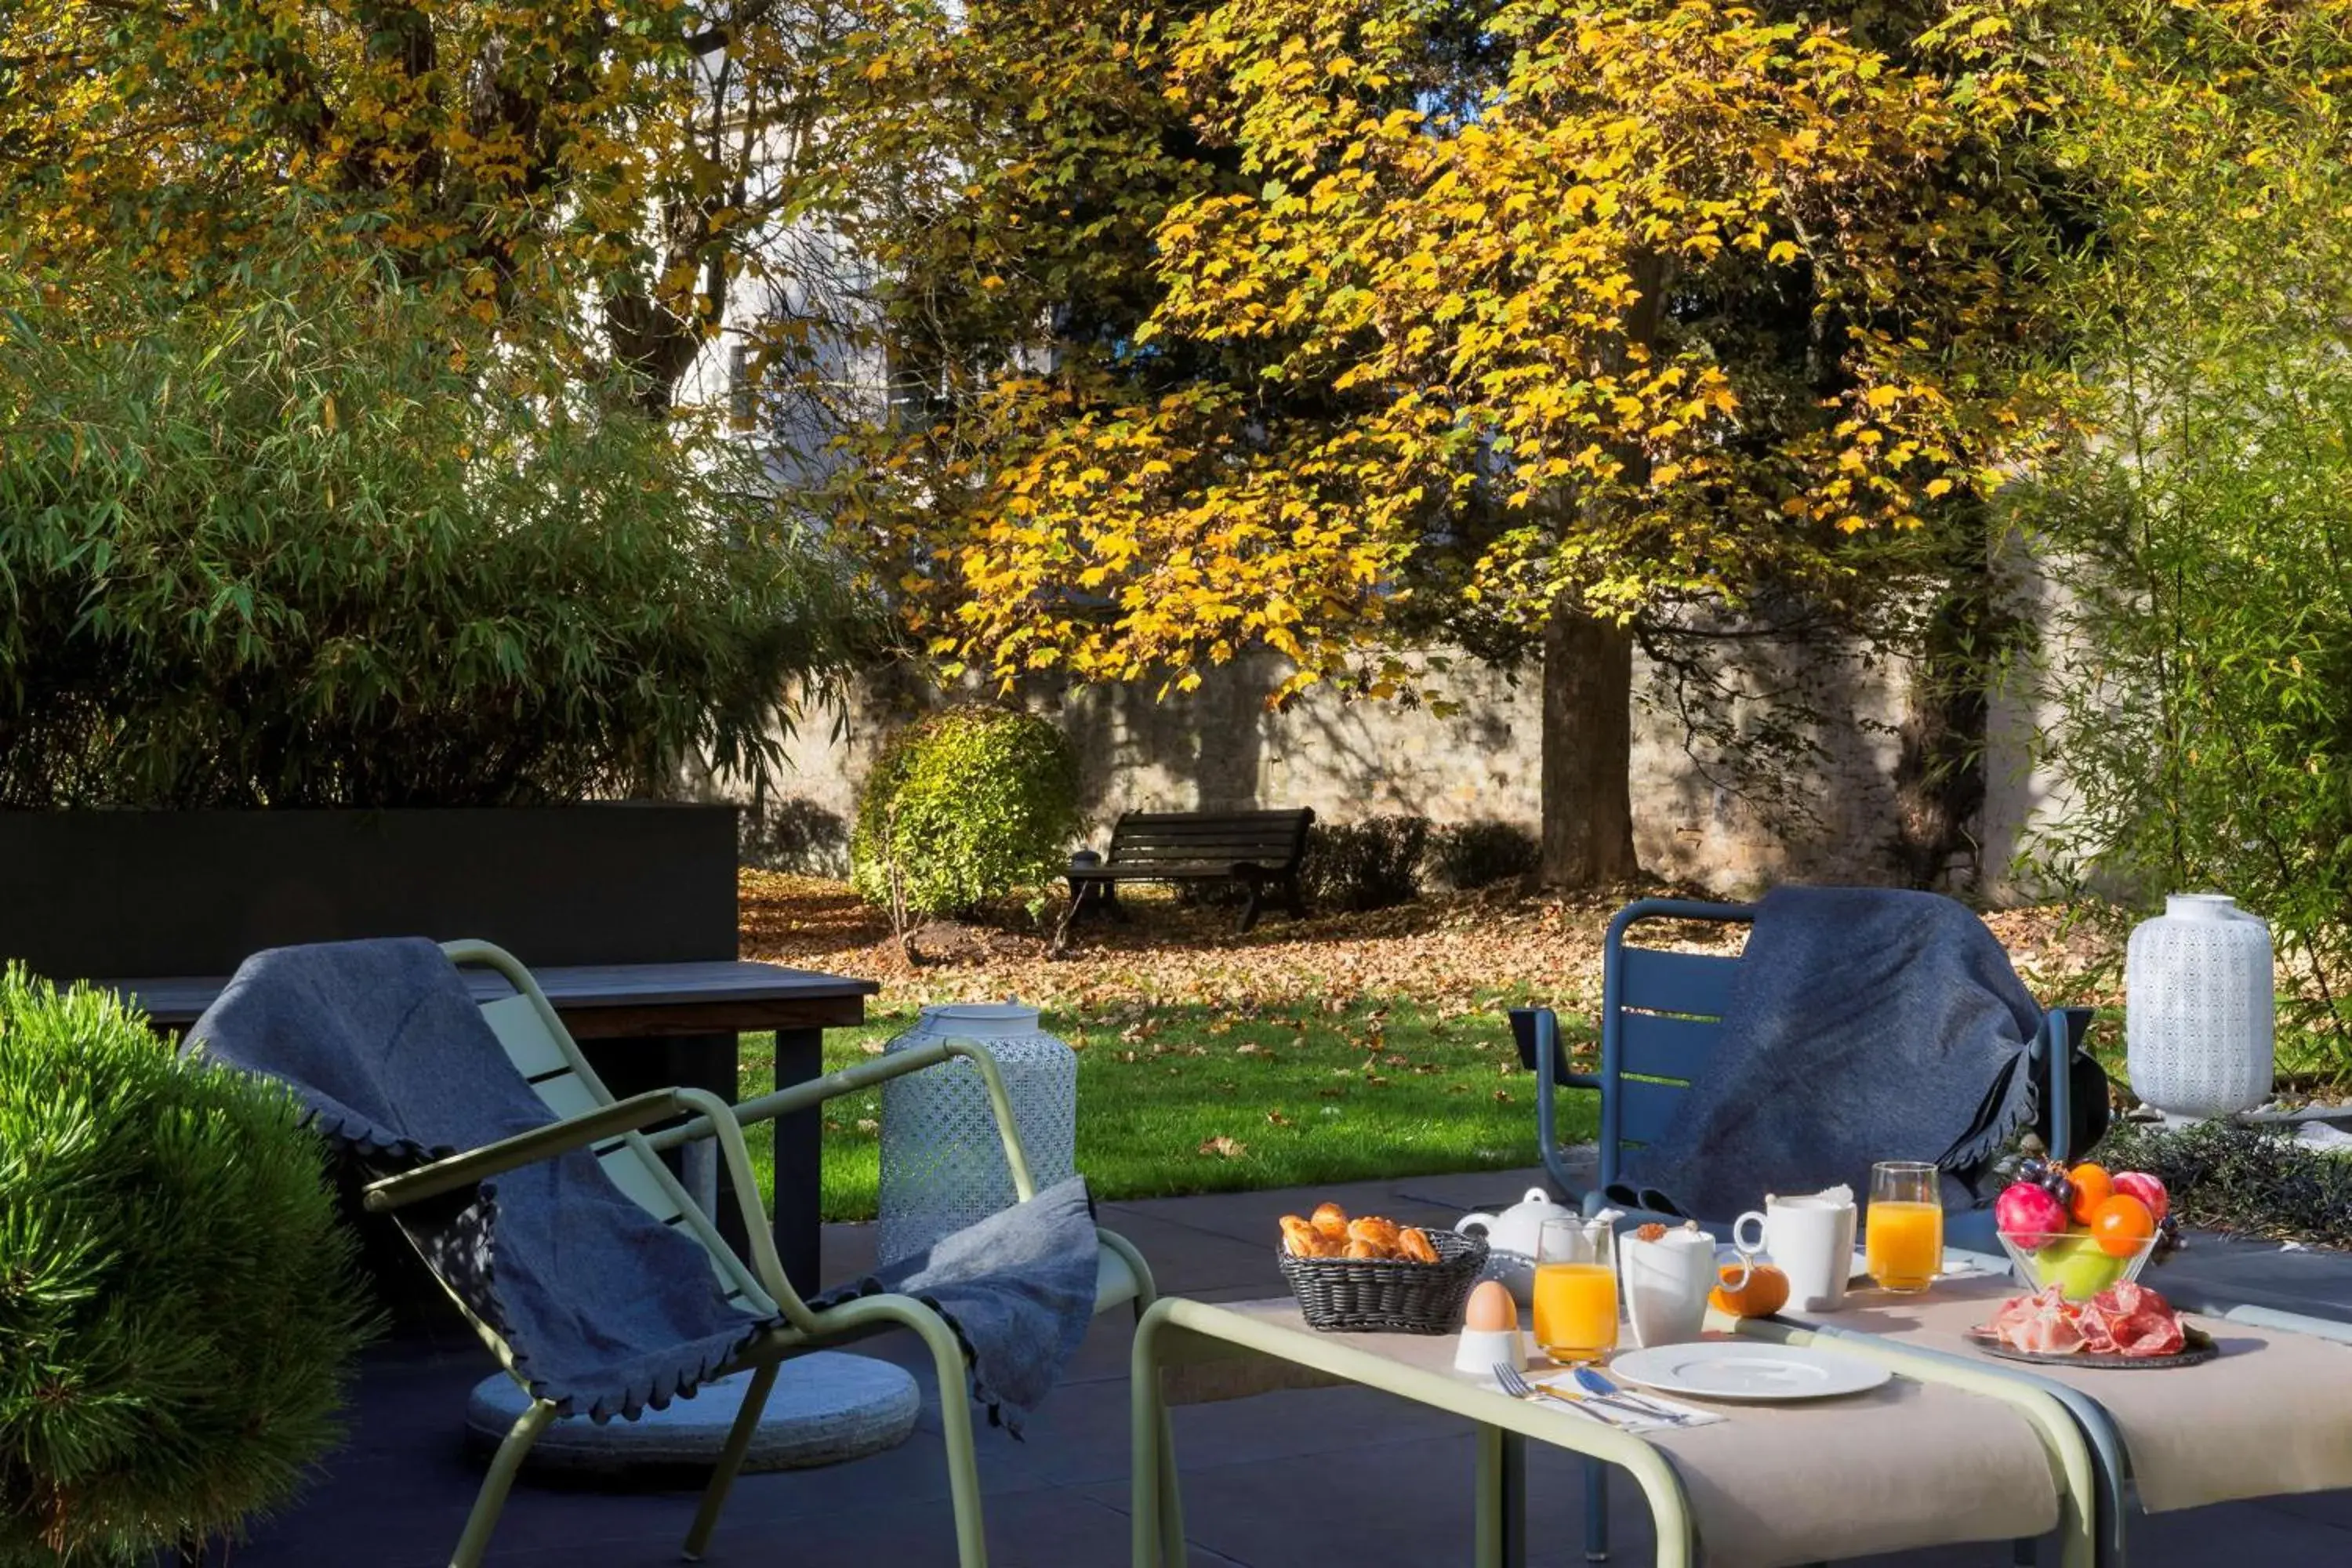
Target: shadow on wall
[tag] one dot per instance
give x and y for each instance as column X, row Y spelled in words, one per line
column 794, row 834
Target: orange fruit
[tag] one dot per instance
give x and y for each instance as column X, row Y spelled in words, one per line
column 1766, row 1293
column 2093, row 1187
column 2122, row 1226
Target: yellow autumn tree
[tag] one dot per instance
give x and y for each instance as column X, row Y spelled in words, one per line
column 627, row 153
column 1549, row 316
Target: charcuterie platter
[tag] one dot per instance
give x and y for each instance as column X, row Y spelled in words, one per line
column 2125, row 1326
column 2196, row 1347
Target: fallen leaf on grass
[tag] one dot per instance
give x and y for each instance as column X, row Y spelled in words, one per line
column 1502, row 1096
column 1249, row 1048
column 1224, row 1148
column 1278, row 1118
column 867, row 1124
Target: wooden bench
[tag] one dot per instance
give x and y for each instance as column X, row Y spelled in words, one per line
column 1257, row 850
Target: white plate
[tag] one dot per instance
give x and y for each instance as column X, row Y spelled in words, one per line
column 1738, row 1369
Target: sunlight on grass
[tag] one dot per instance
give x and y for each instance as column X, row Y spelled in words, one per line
column 1310, row 1091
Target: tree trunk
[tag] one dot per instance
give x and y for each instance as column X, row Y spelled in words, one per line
column 1587, row 752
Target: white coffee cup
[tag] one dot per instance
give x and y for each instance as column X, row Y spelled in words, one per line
column 1810, row 1240
column 1666, row 1284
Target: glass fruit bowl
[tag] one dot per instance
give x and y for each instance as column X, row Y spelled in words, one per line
column 2072, row 1260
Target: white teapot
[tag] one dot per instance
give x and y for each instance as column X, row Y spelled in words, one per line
column 1511, row 1239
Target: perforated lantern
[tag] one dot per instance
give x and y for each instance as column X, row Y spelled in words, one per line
column 2198, row 1008
column 942, row 1162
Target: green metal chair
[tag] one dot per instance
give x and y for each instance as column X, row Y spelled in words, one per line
column 542, row 1050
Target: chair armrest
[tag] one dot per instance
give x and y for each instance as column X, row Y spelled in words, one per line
column 866, row 1075
column 523, row 1148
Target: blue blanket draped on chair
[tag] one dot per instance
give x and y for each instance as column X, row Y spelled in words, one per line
column 1865, row 1023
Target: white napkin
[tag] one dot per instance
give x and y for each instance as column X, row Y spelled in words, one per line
column 1619, row 1415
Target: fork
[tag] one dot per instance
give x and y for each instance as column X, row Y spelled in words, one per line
column 1507, row 1378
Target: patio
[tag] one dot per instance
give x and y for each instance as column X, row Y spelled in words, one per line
column 1267, row 1481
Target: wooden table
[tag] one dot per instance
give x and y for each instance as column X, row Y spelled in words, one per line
column 651, row 1026
column 1768, row 1486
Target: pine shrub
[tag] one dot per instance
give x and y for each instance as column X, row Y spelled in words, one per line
column 966, row 808
column 178, row 1299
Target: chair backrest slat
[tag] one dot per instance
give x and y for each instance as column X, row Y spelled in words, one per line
column 1658, row 1046
column 1646, row 1109
column 1656, row 980
column 534, row 1052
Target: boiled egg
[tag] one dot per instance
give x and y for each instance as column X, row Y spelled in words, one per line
column 1491, row 1310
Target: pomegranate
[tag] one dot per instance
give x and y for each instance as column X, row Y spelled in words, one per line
column 2147, row 1189
column 2026, row 1212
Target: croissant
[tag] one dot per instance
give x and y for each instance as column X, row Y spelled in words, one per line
column 1299, row 1237
column 1365, row 1249
column 1413, row 1242
column 1332, row 1220
column 1378, row 1232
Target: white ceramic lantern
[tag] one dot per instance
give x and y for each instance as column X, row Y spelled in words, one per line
column 2198, row 1016
column 942, row 1162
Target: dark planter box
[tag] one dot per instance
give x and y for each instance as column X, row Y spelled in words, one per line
column 117, row 894
column 122, row 894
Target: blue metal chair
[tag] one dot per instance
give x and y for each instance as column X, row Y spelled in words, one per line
column 1661, row 1015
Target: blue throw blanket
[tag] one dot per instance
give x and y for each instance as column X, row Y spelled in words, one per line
column 606, row 1310
column 1865, row 1023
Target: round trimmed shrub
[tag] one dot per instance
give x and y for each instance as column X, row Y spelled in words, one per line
column 964, row 808
column 178, row 1298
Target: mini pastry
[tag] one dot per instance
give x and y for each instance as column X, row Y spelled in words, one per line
column 1299, row 1237
column 1374, row 1231
column 1332, row 1220
column 1365, row 1249
column 1413, row 1242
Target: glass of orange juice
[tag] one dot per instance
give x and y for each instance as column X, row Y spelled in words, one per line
column 1576, row 1289
column 1903, row 1243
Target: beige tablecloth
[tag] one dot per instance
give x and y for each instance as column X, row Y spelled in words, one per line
column 2273, row 1415
column 1906, row 1464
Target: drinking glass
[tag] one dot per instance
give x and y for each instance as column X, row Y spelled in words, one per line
column 1903, row 1244
column 1576, row 1289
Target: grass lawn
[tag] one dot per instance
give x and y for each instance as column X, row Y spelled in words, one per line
column 1202, row 1097
column 1328, row 1049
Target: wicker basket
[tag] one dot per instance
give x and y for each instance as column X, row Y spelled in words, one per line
column 1391, row 1295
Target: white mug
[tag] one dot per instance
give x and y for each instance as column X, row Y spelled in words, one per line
column 1810, row 1240
column 1666, row 1284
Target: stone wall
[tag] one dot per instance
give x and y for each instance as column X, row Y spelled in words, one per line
column 1220, row 746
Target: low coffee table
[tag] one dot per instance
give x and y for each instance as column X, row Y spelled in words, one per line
column 2271, row 1416
column 1770, row 1486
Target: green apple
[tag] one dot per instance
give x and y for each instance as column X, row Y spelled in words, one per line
column 2079, row 1268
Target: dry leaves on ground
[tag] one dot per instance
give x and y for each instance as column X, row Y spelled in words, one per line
column 1452, row 954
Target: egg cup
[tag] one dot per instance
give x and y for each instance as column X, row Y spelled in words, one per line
column 1482, row 1350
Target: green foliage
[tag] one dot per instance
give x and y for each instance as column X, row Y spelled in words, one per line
column 2251, row 1180
column 177, row 1296
column 965, row 808
column 1466, row 855
column 2203, row 665
column 1366, row 864
column 310, row 539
